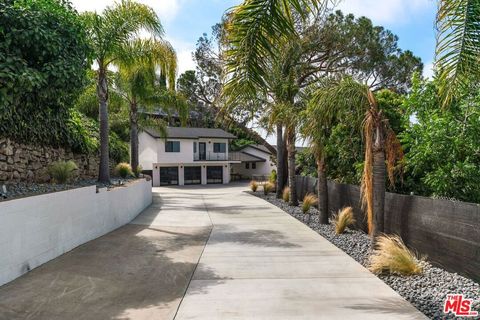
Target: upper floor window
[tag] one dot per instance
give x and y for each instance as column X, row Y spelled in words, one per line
column 194, row 147
column 172, row 146
column 254, row 165
column 219, row 147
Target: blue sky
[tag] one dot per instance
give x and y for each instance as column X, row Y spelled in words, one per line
column 186, row 20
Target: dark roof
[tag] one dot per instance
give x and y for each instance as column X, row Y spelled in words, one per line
column 259, row 147
column 191, row 133
column 245, row 156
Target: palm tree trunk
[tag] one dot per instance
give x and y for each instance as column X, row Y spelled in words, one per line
column 133, row 137
column 280, row 162
column 102, row 93
column 322, row 190
column 379, row 173
column 285, row 159
column 291, row 166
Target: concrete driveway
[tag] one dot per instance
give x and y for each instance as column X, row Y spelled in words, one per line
column 209, row 252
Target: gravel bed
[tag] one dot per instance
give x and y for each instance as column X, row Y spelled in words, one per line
column 427, row 292
column 22, row 189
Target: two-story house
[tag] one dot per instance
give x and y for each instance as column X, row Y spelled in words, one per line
column 186, row 156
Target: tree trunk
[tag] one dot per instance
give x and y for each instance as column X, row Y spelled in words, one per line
column 378, row 184
column 291, row 166
column 134, row 137
column 102, row 93
column 285, row 159
column 280, row 162
column 322, row 190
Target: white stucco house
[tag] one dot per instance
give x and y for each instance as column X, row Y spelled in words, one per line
column 186, row 156
column 199, row 156
column 256, row 163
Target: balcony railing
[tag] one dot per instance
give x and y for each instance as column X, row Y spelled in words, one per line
column 216, row 156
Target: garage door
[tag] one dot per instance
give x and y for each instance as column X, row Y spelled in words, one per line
column 193, row 175
column 168, row 176
column 214, row 175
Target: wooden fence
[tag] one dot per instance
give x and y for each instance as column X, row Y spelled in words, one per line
column 447, row 232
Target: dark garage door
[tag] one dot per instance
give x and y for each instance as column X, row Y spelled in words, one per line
column 168, row 176
column 215, row 174
column 193, row 175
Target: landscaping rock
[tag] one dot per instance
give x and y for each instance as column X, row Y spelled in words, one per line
column 427, row 292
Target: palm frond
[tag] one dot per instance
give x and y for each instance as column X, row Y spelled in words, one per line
column 253, row 28
column 458, row 46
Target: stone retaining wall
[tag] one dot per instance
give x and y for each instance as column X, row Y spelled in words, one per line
column 20, row 162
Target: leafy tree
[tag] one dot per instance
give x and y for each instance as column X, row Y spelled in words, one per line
column 43, row 58
column 443, row 150
column 109, row 33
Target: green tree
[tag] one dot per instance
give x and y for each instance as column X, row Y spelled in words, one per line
column 140, row 87
column 443, row 150
column 109, row 33
column 382, row 148
column 43, row 63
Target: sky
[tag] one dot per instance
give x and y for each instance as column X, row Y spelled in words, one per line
column 186, row 20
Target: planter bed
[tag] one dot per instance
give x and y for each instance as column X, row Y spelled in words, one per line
column 17, row 190
column 426, row 292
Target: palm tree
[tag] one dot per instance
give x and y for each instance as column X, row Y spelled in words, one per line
column 315, row 124
column 109, row 33
column 382, row 148
column 138, row 84
column 458, row 47
column 254, row 30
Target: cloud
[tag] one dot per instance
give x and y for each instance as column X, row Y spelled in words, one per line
column 386, row 11
column 428, row 70
column 167, row 10
column 184, row 54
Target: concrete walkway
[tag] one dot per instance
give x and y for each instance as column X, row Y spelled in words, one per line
column 208, row 253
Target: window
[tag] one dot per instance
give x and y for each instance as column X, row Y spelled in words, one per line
column 219, row 147
column 247, row 165
column 194, row 147
column 172, row 146
column 254, row 165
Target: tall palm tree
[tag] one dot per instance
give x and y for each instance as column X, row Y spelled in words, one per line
column 458, row 47
column 382, row 148
column 138, row 84
column 253, row 32
column 315, row 124
column 109, row 32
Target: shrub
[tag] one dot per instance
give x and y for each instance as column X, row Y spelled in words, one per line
column 268, row 187
column 343, row 219
column 123, row 169
column 308, row 201
column 273, row 176
column 138, row 171
column 61, row 171
column 253, row 185
column 392, row 255
column 286, row 194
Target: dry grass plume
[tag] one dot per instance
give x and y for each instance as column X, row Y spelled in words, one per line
column 343, row 219
column 308, row 201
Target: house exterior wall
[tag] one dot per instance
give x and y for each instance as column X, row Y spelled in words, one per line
column 262, row 168
column 147, row 150
column 153, row 156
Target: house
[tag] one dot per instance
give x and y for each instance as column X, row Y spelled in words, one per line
column 186, row 156
column 256, row 162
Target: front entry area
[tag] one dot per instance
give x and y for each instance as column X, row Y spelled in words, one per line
column 215, row 175
column 168, row 176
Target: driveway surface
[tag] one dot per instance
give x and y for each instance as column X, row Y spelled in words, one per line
column 205, row 252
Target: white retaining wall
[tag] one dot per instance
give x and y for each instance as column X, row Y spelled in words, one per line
column 36, row 229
